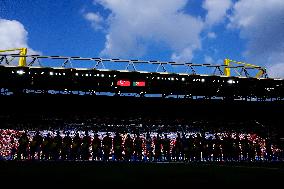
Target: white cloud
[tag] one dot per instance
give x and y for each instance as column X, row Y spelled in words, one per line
column 216, row 10
column 136, row 25
column 185, row 54
column 211, row 35
column 208, row 59
column 261, row 22
column 276, row 68
column 13, row 35
column 95, row 19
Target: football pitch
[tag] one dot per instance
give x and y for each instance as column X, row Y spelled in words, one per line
column 83, row 173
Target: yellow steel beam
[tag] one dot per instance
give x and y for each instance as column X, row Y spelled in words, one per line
column 22, row 60
column 227, row 71
column 23, row 52
column 260, row 73
column 244, row 63
column 9, row 50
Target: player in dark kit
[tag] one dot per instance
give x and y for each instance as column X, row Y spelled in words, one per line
column 158, row 146
column 177, row 148
column 66, row 147
column 46, row 146
column 97, row 147
column 128, row 147
column 35, row 147
column 166, row 143
column 76, row 147
column 117, row 147
column 149, row 149
column 57, row 142
column 138, row 147
column 23, row 147
column 107, row 146
column 86, row 143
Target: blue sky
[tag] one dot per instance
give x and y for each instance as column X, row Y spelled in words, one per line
column 199, row 31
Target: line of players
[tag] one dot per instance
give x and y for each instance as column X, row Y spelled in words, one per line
column 197, row 148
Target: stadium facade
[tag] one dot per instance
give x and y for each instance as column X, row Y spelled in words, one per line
column 101, row 99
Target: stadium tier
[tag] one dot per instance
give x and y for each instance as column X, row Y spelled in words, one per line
column 61, row 75
column 39, row 80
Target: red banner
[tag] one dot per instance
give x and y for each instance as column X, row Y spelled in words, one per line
column 123, row 83
column 139, row 83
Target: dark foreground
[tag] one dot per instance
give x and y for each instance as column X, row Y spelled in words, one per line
column 140, row 174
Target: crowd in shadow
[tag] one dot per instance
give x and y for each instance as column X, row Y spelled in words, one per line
column 151, row 147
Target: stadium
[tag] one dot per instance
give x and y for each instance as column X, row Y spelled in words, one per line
column 151, row 115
